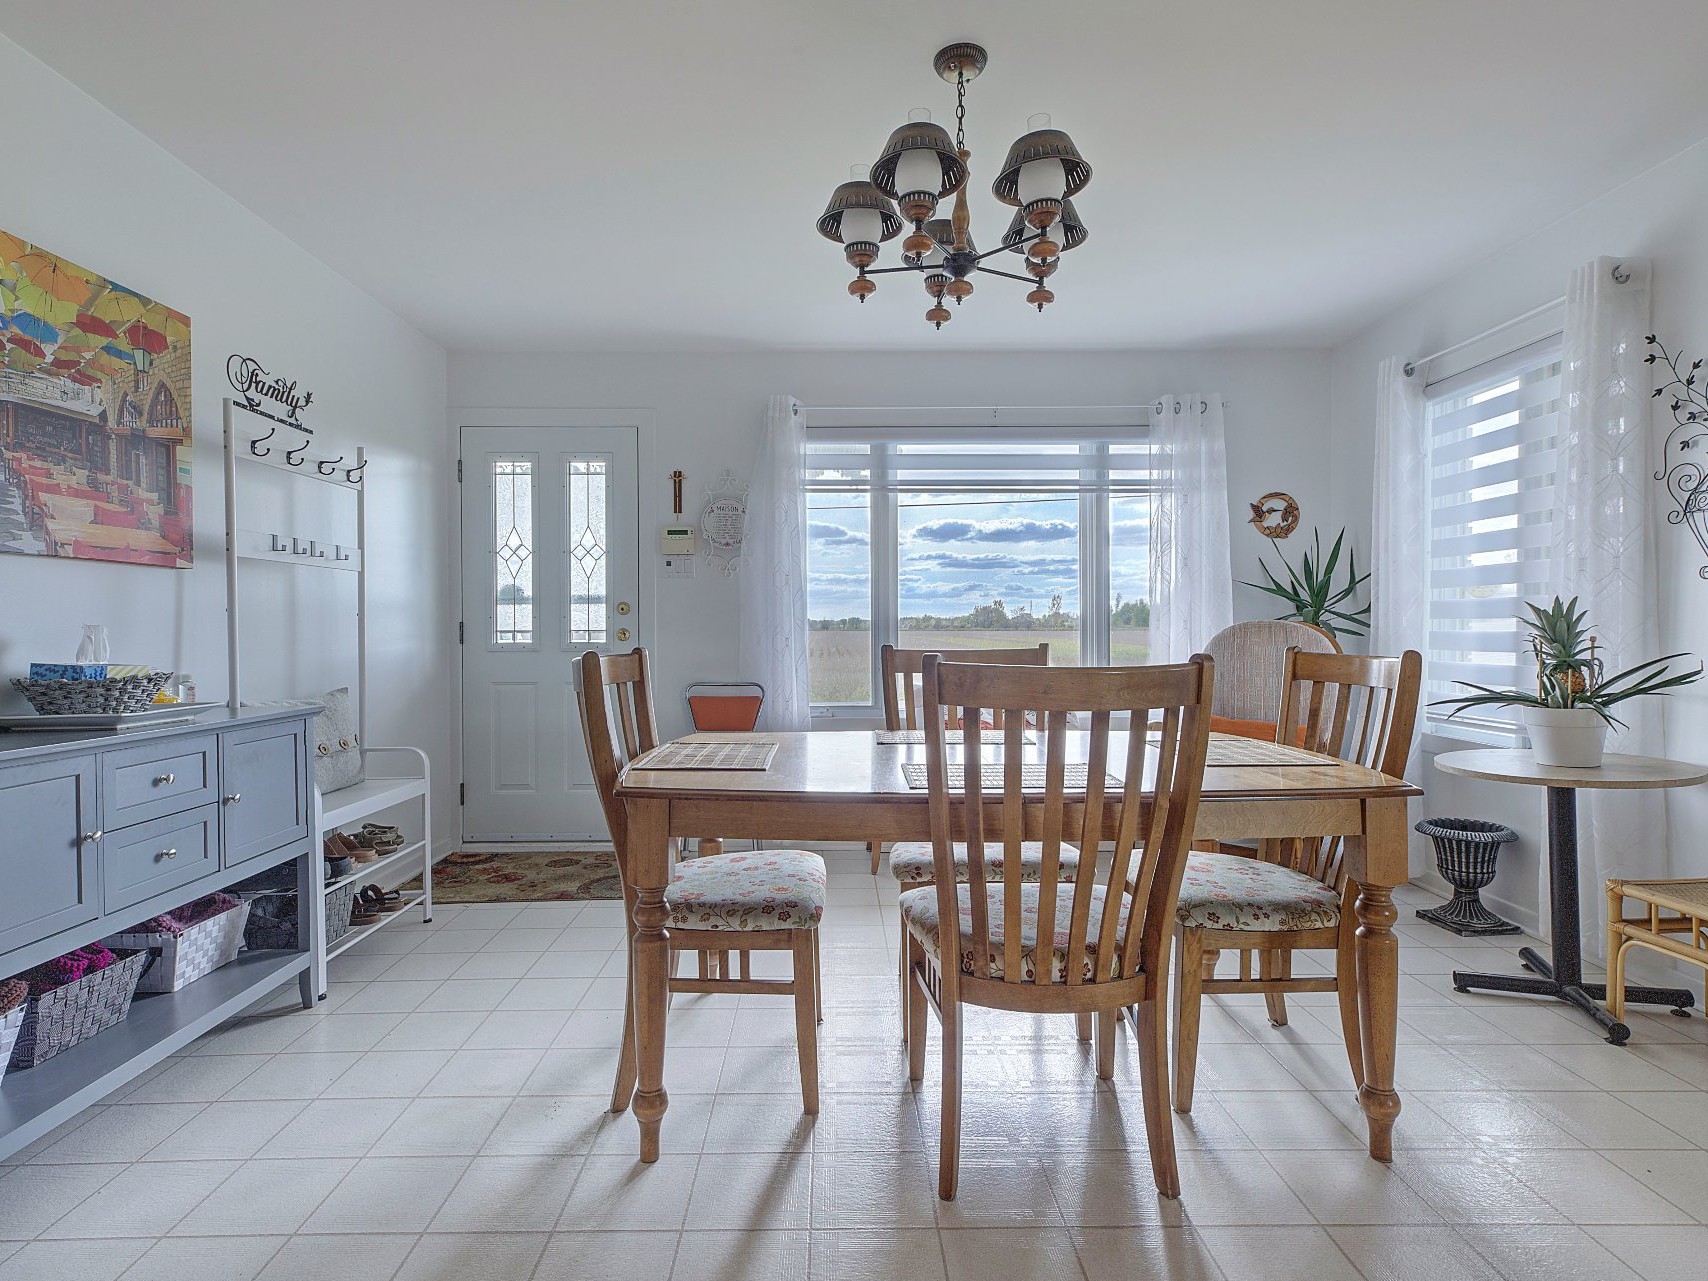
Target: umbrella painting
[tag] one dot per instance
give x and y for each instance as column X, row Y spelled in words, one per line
column 94, row 415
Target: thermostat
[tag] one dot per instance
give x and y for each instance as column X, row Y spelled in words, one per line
column 678, row 540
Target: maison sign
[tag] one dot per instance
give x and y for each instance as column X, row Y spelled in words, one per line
column 256, row 385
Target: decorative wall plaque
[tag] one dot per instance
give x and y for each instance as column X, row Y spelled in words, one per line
column 723, row 522
column 1275, row 515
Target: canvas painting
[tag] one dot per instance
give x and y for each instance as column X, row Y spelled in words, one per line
column 94, row 415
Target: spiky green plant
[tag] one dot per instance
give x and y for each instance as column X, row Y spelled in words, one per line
column 1568, row 674
column 1311, row 593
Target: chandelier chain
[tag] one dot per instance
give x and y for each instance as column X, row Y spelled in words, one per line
column 960, row 110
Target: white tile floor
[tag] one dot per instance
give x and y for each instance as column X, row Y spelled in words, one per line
column 441, row 1116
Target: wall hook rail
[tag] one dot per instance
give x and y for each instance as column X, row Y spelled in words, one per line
column 326, row 466
column 294, row 456
column 355, row 474
column 255, row 445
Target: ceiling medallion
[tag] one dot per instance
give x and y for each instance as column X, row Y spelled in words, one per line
column 921, row 165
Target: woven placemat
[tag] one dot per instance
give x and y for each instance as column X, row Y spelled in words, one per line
column 730, row 754
column 1234, row 750
column 916, row 737
column 1031, row 777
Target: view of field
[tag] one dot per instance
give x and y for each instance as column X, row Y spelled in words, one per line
column 839, row 662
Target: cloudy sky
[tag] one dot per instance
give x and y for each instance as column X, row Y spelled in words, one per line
column 959, row 551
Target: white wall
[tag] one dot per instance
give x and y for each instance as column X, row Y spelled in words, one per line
column 708, row 411
column 83, row 184
column 1662, row 214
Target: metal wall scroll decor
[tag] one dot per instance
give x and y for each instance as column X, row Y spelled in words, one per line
column 1275, row 515
column 256, row 386
column 1684, row 470
column 723, row 522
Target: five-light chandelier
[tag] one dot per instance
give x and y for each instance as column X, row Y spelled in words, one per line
column 921, row 165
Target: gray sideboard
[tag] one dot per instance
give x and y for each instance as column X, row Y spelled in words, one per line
column 100, row 830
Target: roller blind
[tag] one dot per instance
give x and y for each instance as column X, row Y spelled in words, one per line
column 1032, row 456
column 1491, row 477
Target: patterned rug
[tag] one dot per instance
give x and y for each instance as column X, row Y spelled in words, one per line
column 549, row 876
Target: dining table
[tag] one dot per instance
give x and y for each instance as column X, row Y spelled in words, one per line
column 847, row 785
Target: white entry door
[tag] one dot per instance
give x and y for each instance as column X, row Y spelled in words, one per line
column 551, row 550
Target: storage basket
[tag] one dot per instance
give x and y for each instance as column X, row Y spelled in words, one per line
column 273, row 917
column 11, row 1024
column 69, row 1015
column 82, row 698
column 184, row 958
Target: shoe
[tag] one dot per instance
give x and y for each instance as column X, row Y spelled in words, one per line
column 340, row 867
column 351, row 847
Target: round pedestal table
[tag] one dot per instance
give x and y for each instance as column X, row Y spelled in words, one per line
column 1561, row 977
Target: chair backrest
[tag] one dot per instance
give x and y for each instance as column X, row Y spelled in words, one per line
column 1128, row 935
column 619, row 683
column 1358, row 707
column 1250, row 656
column 900, row 666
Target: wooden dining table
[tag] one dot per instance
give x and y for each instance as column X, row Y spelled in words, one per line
column 844, row 785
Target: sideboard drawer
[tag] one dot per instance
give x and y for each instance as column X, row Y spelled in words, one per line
column 157, row 779
column 154, row 857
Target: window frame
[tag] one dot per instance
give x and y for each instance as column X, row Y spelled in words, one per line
column 1093, row 545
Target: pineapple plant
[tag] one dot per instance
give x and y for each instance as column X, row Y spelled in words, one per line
column 1565, row 652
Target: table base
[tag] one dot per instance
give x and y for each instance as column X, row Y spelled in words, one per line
column 1586, row 996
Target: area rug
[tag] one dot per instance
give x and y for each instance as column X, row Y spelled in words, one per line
column 548, row 876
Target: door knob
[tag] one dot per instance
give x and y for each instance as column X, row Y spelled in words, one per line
column 165, row 780
column 622, row 633
column 94, row 836
column 234, row 798
column 168, row 853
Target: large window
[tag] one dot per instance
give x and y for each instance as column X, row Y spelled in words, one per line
column 1491, row 478
column 989, row 529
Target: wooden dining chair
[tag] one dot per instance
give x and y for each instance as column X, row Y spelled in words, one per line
column 764, row 901
column 1292, row 894
column 1100, row 947
column 910, row 861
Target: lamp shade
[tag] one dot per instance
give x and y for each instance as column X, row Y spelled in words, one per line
column 943, row 232
column 1068, row 231
column 1041, row 144
column 858, row 194
column 921, row 142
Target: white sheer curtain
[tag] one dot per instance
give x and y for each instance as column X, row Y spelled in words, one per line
column 773, row 574
column 1399, row 545
column 1604, row 553
column 1191, row 589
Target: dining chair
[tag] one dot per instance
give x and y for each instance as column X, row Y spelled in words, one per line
column 1292, row 894
column 764, row 901
column 1050, row 947
column 910, row 861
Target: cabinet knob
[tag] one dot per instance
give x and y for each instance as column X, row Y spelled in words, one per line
column 168, row 853
column 234, row 798
column 165, row 780
column 92, row 837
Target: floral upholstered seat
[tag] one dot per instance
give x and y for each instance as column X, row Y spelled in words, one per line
column 911, row 862
column 763, row 890
column 1230, row 892
column 919, row 912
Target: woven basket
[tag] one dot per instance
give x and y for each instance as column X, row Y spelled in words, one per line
column 184, row 958
column 82, row 698
column 338, row 906
column 10, row 1025
column 69, row 1015
column 273, row 917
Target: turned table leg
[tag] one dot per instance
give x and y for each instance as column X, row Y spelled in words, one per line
column 649, row 958
column 1381, row 867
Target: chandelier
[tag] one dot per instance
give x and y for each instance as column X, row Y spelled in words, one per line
column 921, row 165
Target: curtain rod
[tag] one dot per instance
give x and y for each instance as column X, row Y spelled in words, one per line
column 1410, row 368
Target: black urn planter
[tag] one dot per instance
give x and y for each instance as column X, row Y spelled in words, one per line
column 1465, row 850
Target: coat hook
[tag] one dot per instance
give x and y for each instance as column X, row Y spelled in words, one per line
column 294, row 456
column 255, row 445
column 354, row 474
column 326, row 466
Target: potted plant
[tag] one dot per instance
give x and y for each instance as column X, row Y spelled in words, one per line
column 1569, row 714
column 1311, row 593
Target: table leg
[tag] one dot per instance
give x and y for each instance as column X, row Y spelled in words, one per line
column 1382, row 866
column 649, row 961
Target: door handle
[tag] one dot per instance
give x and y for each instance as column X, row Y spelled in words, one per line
column 168, row 854
column 165, row 780
column 622, row 633
column 234, row 798
column 92, row 837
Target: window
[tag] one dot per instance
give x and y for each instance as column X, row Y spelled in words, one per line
column 513, row 550
column 979, row 528
column 586, row 481
column 1491, row 438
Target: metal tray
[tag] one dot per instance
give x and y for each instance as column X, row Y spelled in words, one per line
column 159, row 714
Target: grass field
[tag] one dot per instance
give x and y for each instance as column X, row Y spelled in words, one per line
column 840, row 662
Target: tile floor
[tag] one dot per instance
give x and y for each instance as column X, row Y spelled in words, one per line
column 441, row 1116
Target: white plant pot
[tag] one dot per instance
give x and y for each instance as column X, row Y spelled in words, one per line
column 1571, row 737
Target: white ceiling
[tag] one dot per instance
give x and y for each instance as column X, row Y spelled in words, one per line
column 517, row 175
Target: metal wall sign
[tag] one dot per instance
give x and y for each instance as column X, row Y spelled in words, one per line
column 257, row 387
column 1684, row 459
column 723, row 522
